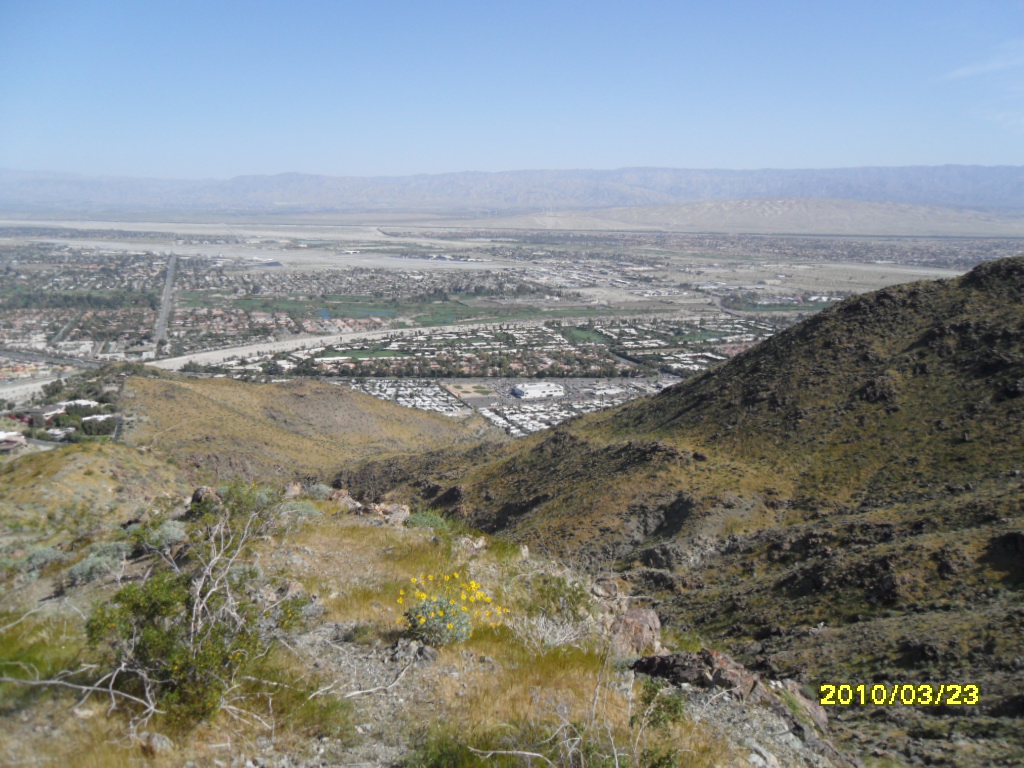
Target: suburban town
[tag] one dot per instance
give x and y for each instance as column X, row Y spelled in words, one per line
column 527, row 330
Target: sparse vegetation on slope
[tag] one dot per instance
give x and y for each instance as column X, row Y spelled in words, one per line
column 219, row 428
column 843, row 502
column 280, row 633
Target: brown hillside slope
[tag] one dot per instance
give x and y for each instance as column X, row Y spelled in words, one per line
column 77, row 486
column 219, row 428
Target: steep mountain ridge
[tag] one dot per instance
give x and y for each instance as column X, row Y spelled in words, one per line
column 842, row 504
column 905, row 390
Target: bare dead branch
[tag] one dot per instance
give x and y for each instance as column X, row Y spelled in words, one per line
column 16, row 623
column 54, row 682
column 511, row 752
column 379, row 688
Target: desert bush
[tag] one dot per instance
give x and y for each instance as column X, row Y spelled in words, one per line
column 540, row 632
column 428, row 518
column 38, row 558
column 158, row 536
column 178, row 641
column 445, row 607
column 116, row 549
column 298, row 510
column 91, row 568
column 319, row 491
column 557, row 597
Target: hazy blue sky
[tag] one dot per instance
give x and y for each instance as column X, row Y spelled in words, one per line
column 370, row 87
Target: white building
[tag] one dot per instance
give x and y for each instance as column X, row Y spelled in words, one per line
column 538, row 390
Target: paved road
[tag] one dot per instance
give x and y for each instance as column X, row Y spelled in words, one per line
column 167, row 301
column 22, row 391
column 303, row 342
column 41, row 357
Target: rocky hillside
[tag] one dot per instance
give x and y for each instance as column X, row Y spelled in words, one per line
column 844, row 503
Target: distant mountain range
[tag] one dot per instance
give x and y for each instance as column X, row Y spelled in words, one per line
column 958, row 186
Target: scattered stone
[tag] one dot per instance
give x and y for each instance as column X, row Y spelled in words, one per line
column 635, row 631
column 206, row 493
column 391, row 514
column 707, row 668
column 152, row 744
column 605, row 588
column 407, row 650
column 468, row 547
column 344, row 499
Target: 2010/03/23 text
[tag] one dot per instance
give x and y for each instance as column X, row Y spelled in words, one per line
column 899, row 694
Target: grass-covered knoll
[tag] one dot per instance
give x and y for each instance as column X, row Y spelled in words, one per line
column 219, row 428
column 76, row 486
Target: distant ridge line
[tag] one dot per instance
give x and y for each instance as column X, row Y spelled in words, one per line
column 957, row 186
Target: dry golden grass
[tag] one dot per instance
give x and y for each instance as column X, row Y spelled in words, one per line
column 357, row 569
column 219, row 428
column 100, row 481
column 501, row 686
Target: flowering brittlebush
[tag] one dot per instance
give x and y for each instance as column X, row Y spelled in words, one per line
column 445, row 607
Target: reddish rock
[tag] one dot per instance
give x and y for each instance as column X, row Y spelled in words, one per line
column 637, row 630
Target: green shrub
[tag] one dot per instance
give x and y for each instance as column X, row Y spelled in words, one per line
column 443, row 749
column 179, row 640
column 658, row 706
column 298, row 510
column 159, row 536
column 91, row 568
column 38, row 558
column 116, row 549
column 437, row 621
column 444, row 608
column 319, row 491
column 558, row 597
column 185, row 669
column 429, row 519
